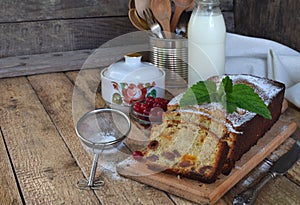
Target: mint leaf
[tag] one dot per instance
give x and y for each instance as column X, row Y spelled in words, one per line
column 198, row 93
column 230, row 106
column 227, row 84
column 243, row 96
column 152, row 93
column 229, row 95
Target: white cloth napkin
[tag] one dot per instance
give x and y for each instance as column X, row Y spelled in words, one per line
column 265, row 58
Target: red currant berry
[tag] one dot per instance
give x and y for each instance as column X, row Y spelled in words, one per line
column 137, row 155
column 146, row 111
column 157, row 100
column 149, row 104
column 164, row 106
column 149, row 99
column 143, row 107
column 137, row 107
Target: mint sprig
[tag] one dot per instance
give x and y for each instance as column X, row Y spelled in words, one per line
column 229, row 95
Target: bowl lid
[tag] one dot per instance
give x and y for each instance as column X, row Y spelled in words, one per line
column 133, row 69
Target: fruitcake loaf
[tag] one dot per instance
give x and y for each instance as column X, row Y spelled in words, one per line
column 202, row 141
column 186, row 149
column 241, row 129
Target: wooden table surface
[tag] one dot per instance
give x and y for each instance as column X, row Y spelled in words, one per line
column 42, row 158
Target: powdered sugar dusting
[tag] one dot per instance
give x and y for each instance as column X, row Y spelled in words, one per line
column 265, row 88
column 284, row 127
column 110, row 169
column 108, row 159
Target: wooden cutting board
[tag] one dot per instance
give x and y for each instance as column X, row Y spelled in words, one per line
column 210, row 193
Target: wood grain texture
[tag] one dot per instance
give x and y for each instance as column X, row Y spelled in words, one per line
column 41, row 26
column 37, row 37
column 272, row 19
column 43, row 63
column 226, row 5
column 9, row 193
column 45, row 170
column 229, row 21
column 227, row 8
column 89, row 81
column 106, row 54
column 65, row 106
column 35, row 27
column 34, row 10
column 277, row 195
column 256, row 174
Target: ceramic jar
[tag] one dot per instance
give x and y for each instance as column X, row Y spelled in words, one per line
column 126, row 82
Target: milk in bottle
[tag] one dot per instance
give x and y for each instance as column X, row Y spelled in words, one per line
column 206, row 41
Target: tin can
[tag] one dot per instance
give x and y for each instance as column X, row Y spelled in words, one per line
column 172, row 56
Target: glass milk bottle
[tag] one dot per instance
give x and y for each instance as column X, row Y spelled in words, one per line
column 206, row 41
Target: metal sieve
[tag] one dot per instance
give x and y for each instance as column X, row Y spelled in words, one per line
column 98, row 130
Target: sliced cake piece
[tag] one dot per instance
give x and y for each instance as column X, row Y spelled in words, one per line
column 186, row 149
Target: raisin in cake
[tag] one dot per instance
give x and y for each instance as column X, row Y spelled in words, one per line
column 242, row 129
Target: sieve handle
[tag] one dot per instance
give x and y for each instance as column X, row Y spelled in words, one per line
column 93, row 170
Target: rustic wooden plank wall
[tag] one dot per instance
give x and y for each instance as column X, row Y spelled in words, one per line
column 39, row 36
column 42, row 26
column 46, row 27
column 227, row 7
column 277, row 20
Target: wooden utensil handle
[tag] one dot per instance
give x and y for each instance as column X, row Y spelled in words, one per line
column 177, row 13
column 165, row 24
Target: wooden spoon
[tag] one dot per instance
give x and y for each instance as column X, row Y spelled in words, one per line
column 162, row 11
column 136, row 22
column 180, row 6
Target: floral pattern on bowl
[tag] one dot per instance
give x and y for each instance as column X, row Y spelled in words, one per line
column 128, row 93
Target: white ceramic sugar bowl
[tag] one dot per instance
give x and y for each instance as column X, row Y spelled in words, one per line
column 125, row 82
